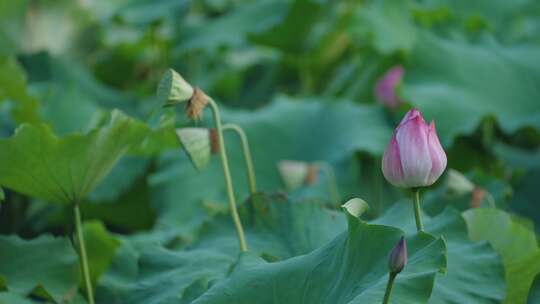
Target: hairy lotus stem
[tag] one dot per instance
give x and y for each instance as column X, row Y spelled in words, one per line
column 83, row 259
column 417, row 210
column 247, row 155
column 332, row 182
column 227, row 175
column 389, row 285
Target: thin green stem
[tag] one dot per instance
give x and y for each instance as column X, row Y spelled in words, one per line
column 332, row 182
column 227, row 175
column 488, row 129
column 83, row 259
column 389, row 286
column 417, row 210
column 377, row 187
column 490, row 199
column 247, row 155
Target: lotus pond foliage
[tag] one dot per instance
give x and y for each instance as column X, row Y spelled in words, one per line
column 274, row 151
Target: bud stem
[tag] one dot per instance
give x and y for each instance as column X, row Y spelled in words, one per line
column 389, row 286
column 417, row 210
column 227, row 176
column 332, row 183
column 83, row 259
column 247, row 155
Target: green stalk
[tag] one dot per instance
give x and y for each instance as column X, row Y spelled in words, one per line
column 389, row 286
column 227, row 175
column 332, row 182
column 83, row 259
column 247, row 155
column 417, row 210
column 490, row 200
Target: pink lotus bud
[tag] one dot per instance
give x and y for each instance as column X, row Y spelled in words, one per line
column 414, row 156
column 398, row 257
column 385, row 89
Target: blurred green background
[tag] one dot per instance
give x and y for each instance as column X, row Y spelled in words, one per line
column 298, row 75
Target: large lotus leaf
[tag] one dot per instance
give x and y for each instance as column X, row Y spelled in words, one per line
column 350, row 269
column 514, row 241
column 473, row 81
column 124, row 174
column 37, row 163
column 11, row 25
column 534, row 293
column 48, row 266
column 128, row 212
column 286, row 129
column 388, row 24
column 101, row 248
column 45, row 262
column 275, row 227
column 526, row 163
column 293, row 31
column 510, row 20
column 58, row 81
column 13, row 89
column 160, row 276
column 231, row 29
column 13, row 298
column 475, row 272
column 138, row 13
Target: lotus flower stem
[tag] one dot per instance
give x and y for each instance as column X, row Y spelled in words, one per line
column 332, row 182
column 83, row 259
column 389, row 285
column 247, row 155
column 491, row 200
column 417, row 210
column 227, row 175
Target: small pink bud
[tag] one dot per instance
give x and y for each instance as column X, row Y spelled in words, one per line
column 414, row 156
column 398, row 257
column 386, row 86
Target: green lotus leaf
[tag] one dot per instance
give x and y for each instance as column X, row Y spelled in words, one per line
column 13, row 88
column 276, row 228
column 45, row 262
column 516, row 244
column 472, row 82
column 160, row 276
column 476, row 261
column 63, row 170
column 101, row 248
column 13, row 298
column 352, row 268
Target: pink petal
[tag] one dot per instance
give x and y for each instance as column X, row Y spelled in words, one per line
column 385, row 88
column 391, row 164
column 412, row 140
column 412, row 114
column 438, row 156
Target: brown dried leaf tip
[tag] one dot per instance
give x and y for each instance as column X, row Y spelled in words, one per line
column 312, row 174
column 214, row 143
column 477, row 197
column 195, row 105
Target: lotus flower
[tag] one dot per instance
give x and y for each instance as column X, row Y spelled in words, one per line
column 398, row 257
column 414, row 156
column 385, row 89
